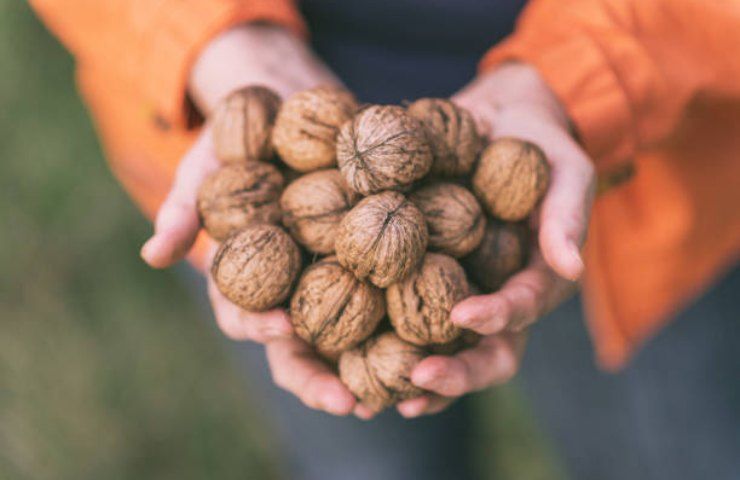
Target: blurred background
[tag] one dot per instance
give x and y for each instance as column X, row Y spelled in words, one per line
column 107, row 369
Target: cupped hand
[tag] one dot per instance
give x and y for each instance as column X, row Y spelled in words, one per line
column 514, row 101
column 247, row 55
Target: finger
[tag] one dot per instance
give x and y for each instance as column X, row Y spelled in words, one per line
column 565, row 210
column 495, row 360
column 425, row 405
column 363, row 412
column 238, row 324
column 296, row 368
column 524, row 298
column 177, row 222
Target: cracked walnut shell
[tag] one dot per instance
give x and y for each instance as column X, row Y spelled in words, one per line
column 452, row 135
column 242, row 125
column 383, row 148
column 455, row 220
column 256, row 267
column 511, row 177
column 306, row 127
column 382, row 238
column 236, row 196
column 313, row 205
column 378, row 371
column 332, row 310
column 419, row 306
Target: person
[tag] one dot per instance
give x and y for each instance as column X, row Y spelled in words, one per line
column 636, row 100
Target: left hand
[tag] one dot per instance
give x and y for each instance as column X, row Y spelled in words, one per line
column 513, row 101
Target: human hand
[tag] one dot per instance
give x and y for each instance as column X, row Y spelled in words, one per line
column 247, row 55
column 514, row 101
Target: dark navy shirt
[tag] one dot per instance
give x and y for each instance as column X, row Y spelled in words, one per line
column 387, row 51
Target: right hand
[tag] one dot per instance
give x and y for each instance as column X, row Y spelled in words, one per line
column 247, row 55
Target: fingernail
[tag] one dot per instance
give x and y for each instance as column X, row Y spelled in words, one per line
column 146, row 249
column 423, row 378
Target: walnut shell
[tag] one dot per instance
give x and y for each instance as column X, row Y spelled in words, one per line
column 332, row 310
column 378, row 371
column 502, row 252
column 242, row 125
column 256, row 267
column 236, row 196
column 419, row 306
column 383, row 148
column 455, row 220
column 382, row 238
column 511, row 177
column 452, row 135
column 313, row 205
column 306, row 127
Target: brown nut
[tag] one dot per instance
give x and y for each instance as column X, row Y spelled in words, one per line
column 419, row 306
column 307, row 124
column 256, row 267
column 455, row 220
column 313, row 205
column 236, row 196
column 378, row 372
column 242, row 125
column 382, row 148
column 511, row 177
column 452, row 135
column 502, row 253
column 382, row 238
column 332, row 310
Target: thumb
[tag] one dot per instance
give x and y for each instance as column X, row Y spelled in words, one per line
column 177, row 224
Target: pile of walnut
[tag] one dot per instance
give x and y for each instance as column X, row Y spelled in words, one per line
column 393, row 208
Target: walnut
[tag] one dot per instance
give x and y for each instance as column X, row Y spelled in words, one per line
column 452, row 135
column 256, row 267
column 307, row 124
column 511, row 177
column 332, row 310
column 382, row 238
column 419, row 306
column 242, row 125
column 239, row 195
column 378, row 371
column 383, row 148
column 313, row 205
column 502, row 253
column 455, row 220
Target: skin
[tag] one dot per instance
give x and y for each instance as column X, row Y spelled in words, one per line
column 511, row 101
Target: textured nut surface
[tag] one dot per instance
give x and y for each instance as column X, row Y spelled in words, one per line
column 378, row 371
column 382, row 238
column 242, row 125
column 313, row 205
column 452, row 135
column 455, row 220
column 306, row 127
column 236, row 196
column 332, row 310
column 503, row 252
column 256, row 267
column 511, row 177
column 419, row 306
column 383, row 148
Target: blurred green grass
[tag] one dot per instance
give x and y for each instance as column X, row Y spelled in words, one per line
column 106, row 371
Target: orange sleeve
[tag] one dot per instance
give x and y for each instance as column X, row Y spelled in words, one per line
column 626, row 70
column 152, row 43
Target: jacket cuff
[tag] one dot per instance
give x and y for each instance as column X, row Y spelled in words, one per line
column 579, row 73
column 177, row 35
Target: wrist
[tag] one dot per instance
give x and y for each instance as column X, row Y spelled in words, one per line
column 517, row 87
column 254, row 54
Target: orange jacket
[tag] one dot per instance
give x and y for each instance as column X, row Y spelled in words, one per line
column 651, row 85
